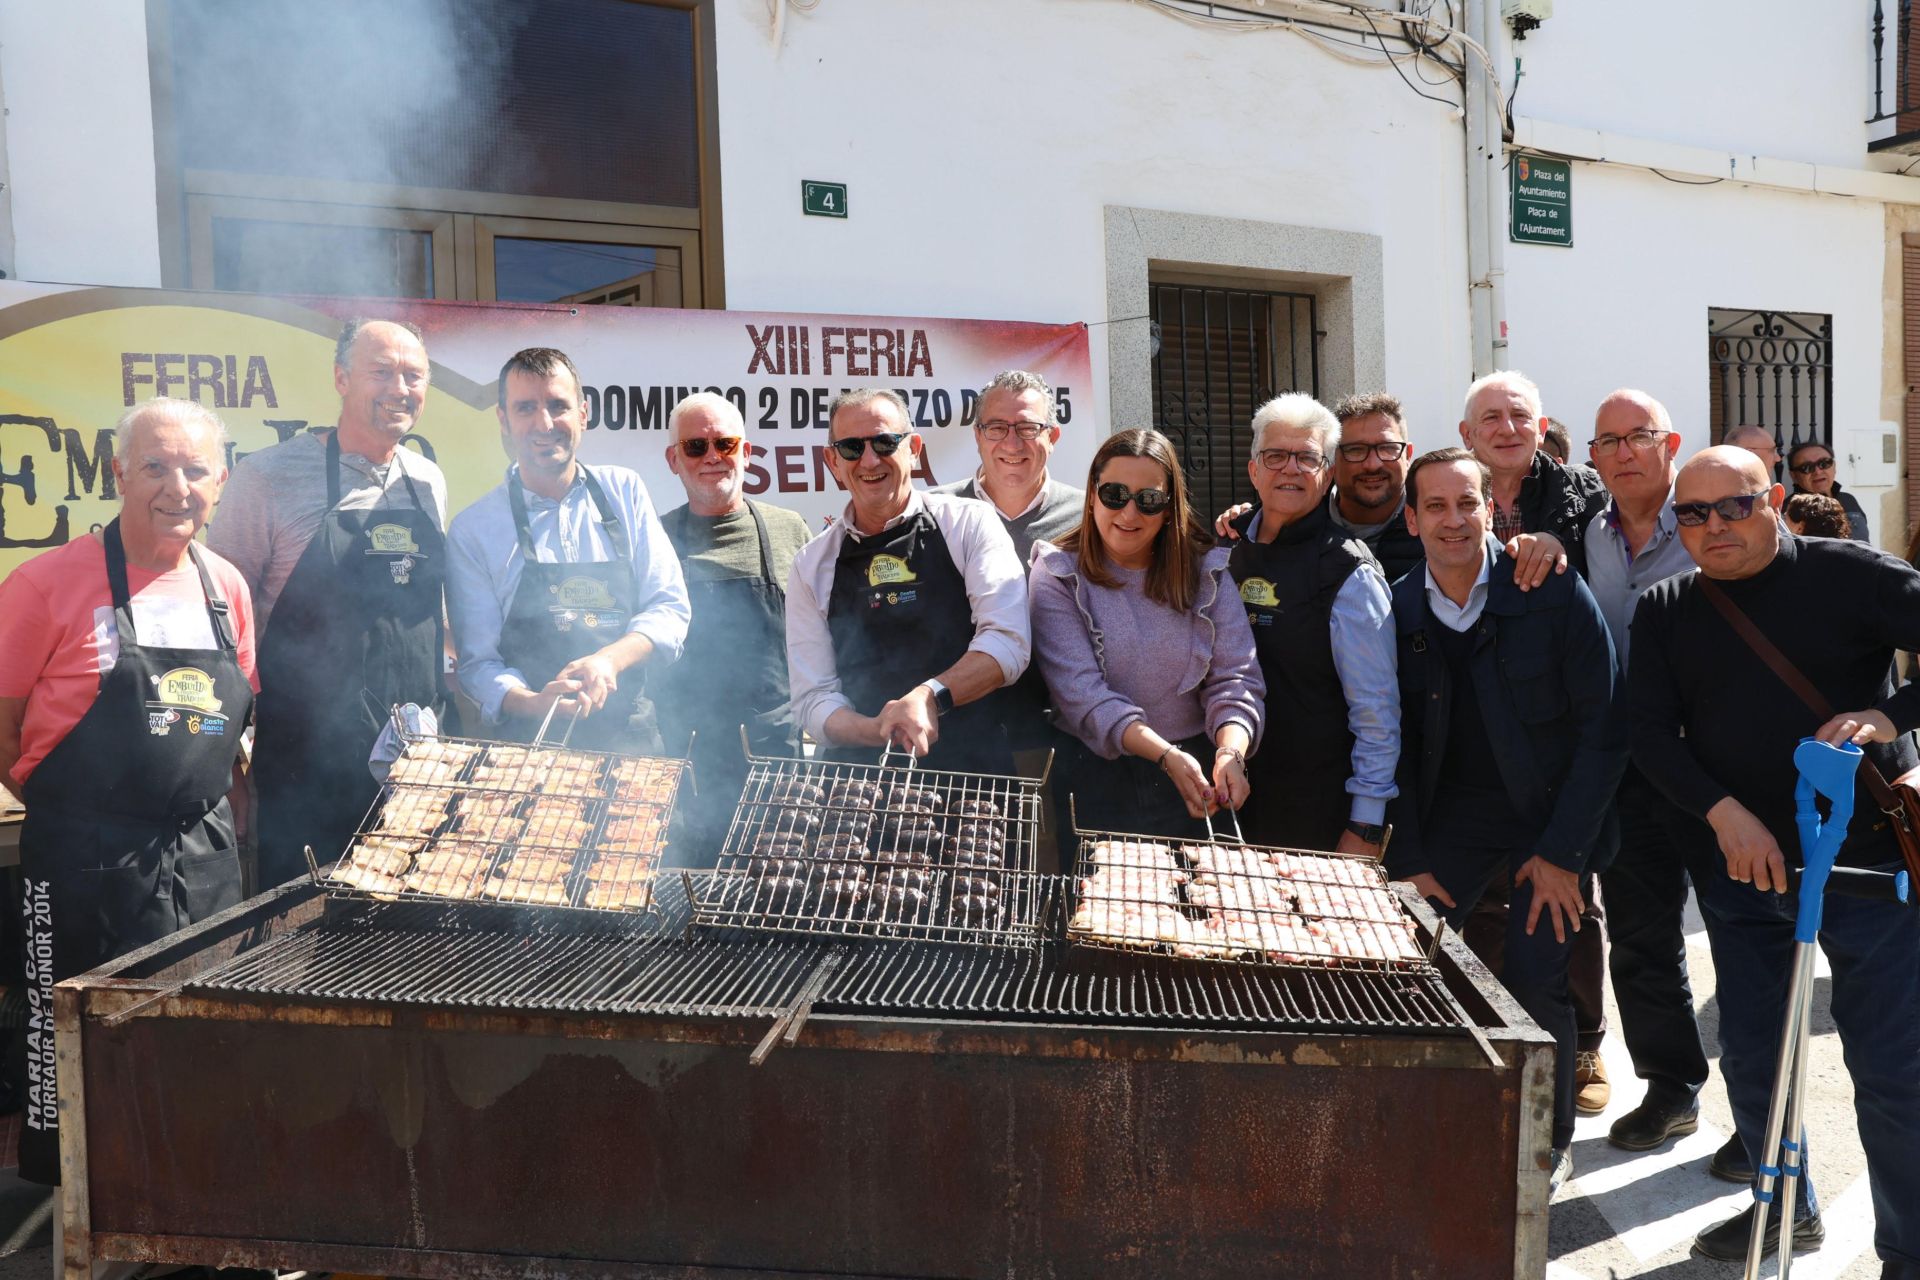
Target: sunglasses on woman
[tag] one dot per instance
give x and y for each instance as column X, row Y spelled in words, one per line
column 1808, row 468
column 884, row 445
column 1115, row 497
column 1738, row 507
column 725, row 446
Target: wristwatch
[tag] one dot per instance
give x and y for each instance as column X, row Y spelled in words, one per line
column 942, row 696
column 1371, row 832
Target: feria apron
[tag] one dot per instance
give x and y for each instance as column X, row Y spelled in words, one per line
column 127, row 836
column 1298, row 778
column 357, row 630
column 569, row 609
column 898, row 614
column 733, row 674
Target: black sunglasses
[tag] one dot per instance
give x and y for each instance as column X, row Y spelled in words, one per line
column 725, row 446
column 1808, row 468
column 1738, row 507
column 884, row 445
column 1115, row 497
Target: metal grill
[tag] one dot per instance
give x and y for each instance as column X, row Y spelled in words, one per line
column 880, row 850
column 463, row 820
column 1239, row 904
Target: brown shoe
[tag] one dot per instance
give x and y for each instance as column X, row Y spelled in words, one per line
column 1592, row 1090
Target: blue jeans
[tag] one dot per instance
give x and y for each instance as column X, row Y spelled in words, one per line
column 1873, row 949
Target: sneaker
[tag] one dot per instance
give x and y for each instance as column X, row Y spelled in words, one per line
column 1591, row 1089
column 1730, row 1163
column 1652, row 1122
column 1728, row 1241
column 1559, row 1170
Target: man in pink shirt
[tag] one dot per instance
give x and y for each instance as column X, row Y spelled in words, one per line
column 126, row 678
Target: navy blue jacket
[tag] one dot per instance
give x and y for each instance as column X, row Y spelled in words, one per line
column 1554, row 705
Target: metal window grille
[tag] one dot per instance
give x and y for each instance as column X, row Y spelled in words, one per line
column 1771, row 369
column 1218, row 355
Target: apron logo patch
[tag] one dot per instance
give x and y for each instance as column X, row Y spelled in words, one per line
column 187, row 687
column 391, row 539
column 885, row 568
column 402, row 567
column 1260, row 592
column 160, row 722
column 582, row 592
column 895, row 597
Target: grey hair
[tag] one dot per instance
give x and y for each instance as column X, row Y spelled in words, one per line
column 1019, row 382
column 867, row 395
column 1297, row 409
column 1746, row 431
column 188, row 413
column 343, row 345
column 1512, row 380
column 719, row 404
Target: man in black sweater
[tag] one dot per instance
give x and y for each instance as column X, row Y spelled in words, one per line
column 1715, row 729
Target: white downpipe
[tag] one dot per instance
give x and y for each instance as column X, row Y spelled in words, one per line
column 1494, row 123
column 1480, row 293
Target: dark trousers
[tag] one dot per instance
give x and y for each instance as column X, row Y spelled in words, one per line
column 1485, row 934
column 1873, row 949
column 1535, row 967
column 1135, row 796
column 1646, row 894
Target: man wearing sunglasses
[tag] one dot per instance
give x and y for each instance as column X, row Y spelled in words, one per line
column 1715, row 727
column 908, row 612
column 1811, row 466
column 1323, row 629
column 735, row 554
column 561, row 585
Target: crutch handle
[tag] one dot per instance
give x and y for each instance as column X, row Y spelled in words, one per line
column 1859, row 882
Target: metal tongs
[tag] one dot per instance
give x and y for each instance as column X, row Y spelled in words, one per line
column 1234, row 816
column 540, row 737
column 889, row 751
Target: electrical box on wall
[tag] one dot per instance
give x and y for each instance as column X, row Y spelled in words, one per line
column 1869, row 456
column 1538, row 10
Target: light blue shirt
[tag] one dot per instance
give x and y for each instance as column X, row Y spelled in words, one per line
column 483, row 572
column 1461, row 617
column 1366, row 658
column 1616, row 576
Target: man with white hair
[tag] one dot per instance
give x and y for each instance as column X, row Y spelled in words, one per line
column 735, row 554
column 126, row 678
column 1503, row 424
column 1323, row 628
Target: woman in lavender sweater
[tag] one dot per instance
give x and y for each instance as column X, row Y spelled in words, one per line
column 1145, row 647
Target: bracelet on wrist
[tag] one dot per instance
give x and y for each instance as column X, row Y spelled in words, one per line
column 1230, row 753
column 1162, row 761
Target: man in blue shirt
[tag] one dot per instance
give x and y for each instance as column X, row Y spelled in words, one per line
column 562, row 586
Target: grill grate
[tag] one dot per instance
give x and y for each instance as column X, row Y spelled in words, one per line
column 464, row 819
column 1234, row 903
column 847, row 850
column 499, row 958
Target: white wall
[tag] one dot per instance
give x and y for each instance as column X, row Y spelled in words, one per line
column 80, row 141
column 981, row 141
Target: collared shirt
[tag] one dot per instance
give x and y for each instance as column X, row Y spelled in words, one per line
column 981, row 550
column 276, row 498
column 1366, row 656
column 1617, row 575
column 1461, row 617
column 484, row 572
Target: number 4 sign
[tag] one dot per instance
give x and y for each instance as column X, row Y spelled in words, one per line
column 824, row 199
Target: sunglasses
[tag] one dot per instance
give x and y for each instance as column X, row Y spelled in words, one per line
column 884, row 445
column 725, row 446
column 1115, row 497
column 1738, row 507
column 1808, row 468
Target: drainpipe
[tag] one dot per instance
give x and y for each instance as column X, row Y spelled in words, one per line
column 1486, row 216
column 1493, row 40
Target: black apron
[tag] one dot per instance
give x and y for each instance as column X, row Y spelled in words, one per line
column 569, row 609
column 127, row 836
column 358, row 629
column 899, row 613
column 734, row 674
column 1298, row 778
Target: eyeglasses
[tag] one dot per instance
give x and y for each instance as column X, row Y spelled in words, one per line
column 997, row 430
column 1115, row 497
column 1308, row 459
column 1638, row 441
column 1808, row 468
column 1385, row 450
column 1738, row 507
column 725, row 446
column 884, row 445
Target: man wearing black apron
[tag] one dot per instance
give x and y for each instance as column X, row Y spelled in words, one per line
column 735, row 554
column 907, row 614
column 357, row 626
column 562, row 587
column 128, row 835
column 1322, row 625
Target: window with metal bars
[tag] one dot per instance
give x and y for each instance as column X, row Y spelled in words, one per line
column 1771, row 369
column 1218, row 354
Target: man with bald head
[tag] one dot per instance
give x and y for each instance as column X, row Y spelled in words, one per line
column 1760, row 443
column 126, row 678
column 340, row 535
column 1715, row 728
